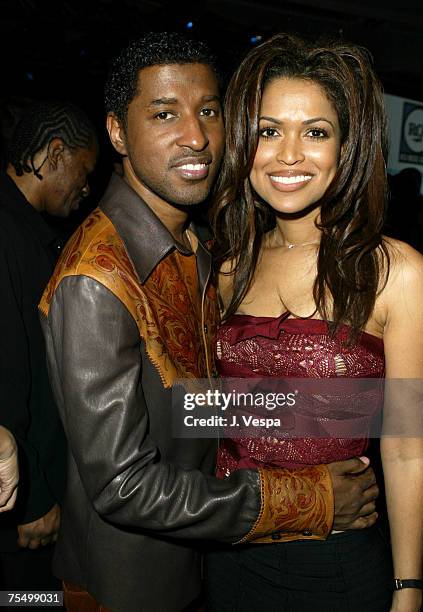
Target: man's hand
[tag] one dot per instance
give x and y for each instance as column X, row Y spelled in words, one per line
column 9, row 474
column 355, row 491
column 42, row 531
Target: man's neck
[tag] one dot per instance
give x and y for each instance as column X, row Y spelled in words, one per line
column 174, row 219
column 27, row 186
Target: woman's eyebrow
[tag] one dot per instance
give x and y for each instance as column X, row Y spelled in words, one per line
column 306, row 122
column 316, row 119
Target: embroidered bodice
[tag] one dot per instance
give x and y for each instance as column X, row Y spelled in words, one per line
column 259, row 347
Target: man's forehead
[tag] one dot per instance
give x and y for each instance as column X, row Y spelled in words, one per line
column 166, row 81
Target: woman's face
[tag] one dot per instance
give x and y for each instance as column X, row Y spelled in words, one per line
column 299, row 145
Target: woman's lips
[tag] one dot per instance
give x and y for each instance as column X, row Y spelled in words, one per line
column 289, row 182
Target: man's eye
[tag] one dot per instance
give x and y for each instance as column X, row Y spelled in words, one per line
column 268, row 132
column 208, row 112
column 163, row 115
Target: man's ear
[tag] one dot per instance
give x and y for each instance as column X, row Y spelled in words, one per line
column 55, row 151
column 116, row 133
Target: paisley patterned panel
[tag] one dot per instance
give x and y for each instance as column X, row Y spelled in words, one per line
column 166, row 308
column 300, row 503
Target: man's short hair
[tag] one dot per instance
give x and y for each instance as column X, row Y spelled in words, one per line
column 40, row 124
column 152, row 49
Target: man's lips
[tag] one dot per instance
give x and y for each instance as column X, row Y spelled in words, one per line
column 193, row 168
column 290, row 180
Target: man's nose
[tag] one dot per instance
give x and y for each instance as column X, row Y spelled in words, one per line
column 193, row 134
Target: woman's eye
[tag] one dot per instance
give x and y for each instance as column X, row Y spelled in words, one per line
column 317, row 133
column 268, row 132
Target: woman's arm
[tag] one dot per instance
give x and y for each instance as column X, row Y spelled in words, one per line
column 402, row 454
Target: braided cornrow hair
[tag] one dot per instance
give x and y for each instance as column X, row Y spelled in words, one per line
column 42, row 122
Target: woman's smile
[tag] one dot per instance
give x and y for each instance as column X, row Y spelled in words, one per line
column 299, row 145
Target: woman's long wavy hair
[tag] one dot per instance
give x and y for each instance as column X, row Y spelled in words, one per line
column 353, row 261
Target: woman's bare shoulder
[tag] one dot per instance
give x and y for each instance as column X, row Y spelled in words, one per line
column 405, row 263
column 403, row 289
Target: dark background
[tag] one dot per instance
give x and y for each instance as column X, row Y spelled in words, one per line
column 61, row 49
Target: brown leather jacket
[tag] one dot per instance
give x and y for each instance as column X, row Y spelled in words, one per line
column 127, row 312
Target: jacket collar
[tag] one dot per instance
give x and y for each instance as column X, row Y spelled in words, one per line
column 146, row 239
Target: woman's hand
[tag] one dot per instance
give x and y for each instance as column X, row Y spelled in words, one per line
column 406, row 600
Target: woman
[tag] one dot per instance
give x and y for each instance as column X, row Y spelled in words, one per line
column 310, row 288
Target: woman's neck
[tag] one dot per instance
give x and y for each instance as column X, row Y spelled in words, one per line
column 295, row 232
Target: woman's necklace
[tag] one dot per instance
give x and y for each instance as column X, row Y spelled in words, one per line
column 291, row 245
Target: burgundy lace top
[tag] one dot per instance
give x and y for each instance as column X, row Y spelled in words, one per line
column 249, row 346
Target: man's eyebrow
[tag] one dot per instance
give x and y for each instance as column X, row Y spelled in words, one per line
column 163, row 101
column 173, row 101
column 211, row 98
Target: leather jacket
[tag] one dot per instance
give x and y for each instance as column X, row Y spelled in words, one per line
column 128, row 311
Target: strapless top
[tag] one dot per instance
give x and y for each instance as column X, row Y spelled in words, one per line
column 259, row 347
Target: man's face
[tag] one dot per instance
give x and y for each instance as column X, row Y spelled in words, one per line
column 174, row 134
column 69, row 183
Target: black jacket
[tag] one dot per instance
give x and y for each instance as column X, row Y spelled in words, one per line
column 28, row 251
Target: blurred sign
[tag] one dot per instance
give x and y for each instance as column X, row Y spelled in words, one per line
column 411, row 145
column 405, row 122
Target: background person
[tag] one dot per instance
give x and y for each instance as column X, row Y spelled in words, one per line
column 51, row 153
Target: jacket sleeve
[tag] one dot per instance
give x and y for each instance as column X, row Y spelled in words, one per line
column 94, row 358
column 16, row 331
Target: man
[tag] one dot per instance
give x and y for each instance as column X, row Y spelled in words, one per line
column 128, row 311
column 9, row 473
column 52, row 152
